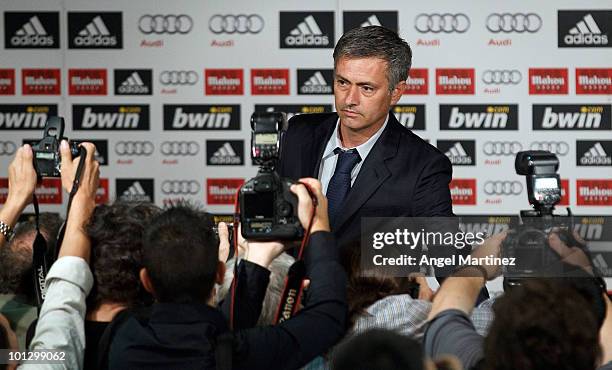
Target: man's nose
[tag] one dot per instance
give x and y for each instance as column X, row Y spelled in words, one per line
column 352, row 96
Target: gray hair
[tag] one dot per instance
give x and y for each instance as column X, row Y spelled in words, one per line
column 278, row 269
column 377, row 42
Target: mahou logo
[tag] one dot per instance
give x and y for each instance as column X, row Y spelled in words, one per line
column 594, row 81
column 455, row 81
column 7, row 82
column 417, row 82
column 222, row 191
column 565, row 192
column 224, row 81
column 463, row 191
column 548, row 81
column 40, row 82
column 87, row 81
column 102, row 192
column 269, row 82
column 594, row 192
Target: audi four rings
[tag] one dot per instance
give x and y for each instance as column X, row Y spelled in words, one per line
column 503, row 188
column 514, row 22
column 144, row 148
column 180, row 148
column 178, row 77
column 168, row 23
column 555, row 147
column 502, row 77
column 445, row 22
column 235, row 23
column 502, row 147
column 184, row 187
column 7, row 148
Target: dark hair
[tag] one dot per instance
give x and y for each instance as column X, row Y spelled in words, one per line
column 181, row 254
column 377, row 42
column 542, row 324
column 378, row 349
column 365, row 288
column 116, row 233
column 16, row 256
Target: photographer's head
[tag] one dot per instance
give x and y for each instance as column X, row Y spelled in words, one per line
column 542, row 324
column 180, row 256
column 116, row 233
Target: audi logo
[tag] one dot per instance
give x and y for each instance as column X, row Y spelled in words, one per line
column 178, row 77
column 180, row 148
column 502, row 147
column 503, row 188
column 7, row 148
column 241, row 23
column 555, row 147
column 170, row 24
column 184, row 187
column 144, row 148
column 446, row 23
column 502, row 77
column 514, row 22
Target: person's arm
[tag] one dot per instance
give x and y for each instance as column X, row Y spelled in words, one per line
column 431, row 196
column 322, row 322
column 605, row 336
column 60, row 324
column 22, row 182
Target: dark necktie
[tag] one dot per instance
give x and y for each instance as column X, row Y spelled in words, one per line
column 340, row 183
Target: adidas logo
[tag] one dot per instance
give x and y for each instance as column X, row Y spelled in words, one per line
column 316, row 85
column 133, row 85
column 600, row 262
column 596, row 156
column 225, row 155
column 458, row 155
column 586, row 32
column 32, row 34
column 95, row 34
column 307, row 33
column 372, row 21
column 135, row 193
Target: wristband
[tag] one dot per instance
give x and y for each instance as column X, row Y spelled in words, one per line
column 6, row 230
column 485, row 275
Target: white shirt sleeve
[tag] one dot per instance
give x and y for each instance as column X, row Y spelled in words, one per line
column 61, row 325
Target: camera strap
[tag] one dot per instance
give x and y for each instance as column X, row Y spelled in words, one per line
column 42, row 258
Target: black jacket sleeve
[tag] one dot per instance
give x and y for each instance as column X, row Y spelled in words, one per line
column 431, row 195
column 252, row 282
column 315, row 329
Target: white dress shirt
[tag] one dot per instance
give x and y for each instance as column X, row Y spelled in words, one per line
column 329, row 159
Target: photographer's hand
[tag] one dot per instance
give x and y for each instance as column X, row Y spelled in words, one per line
column 224, row 243
column 76, row 242
column 570, row 254
column 22, row 182
column 491, row 247
column 305, row 206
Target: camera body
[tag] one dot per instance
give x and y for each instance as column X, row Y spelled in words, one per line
column 268, row 209
column 47, row 159
column 527, row 241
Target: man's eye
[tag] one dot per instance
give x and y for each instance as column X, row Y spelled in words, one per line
column 367, row 88
column 341, row 82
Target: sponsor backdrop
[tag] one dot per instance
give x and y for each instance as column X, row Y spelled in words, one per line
column 166, row 90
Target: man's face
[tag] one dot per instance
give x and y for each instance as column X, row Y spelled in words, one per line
column 362, row 96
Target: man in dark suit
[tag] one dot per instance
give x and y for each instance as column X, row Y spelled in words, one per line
column 369, row 164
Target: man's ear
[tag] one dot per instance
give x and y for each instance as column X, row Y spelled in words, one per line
column 145, row 279
column 397, row 92
column 220, row 273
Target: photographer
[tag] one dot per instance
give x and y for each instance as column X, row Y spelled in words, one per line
column 535, row 325
column 181, row 265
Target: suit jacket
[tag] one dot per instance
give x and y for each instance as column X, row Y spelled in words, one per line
column 402, row 175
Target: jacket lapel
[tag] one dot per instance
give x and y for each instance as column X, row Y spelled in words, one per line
column 373, row 172
column 319, row 141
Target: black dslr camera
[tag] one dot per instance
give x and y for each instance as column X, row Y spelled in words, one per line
column 47, row 158
column 528, row 241
column 268, row 210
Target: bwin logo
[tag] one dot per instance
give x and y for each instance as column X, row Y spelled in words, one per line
column 477, row 119
column 200, row 120
column 14, row 120
column 307, row 33
column 570, row 119
column 32, row 33
column 109, row 120
column 95, row 33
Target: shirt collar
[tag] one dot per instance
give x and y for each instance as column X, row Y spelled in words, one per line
column 363, row 149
